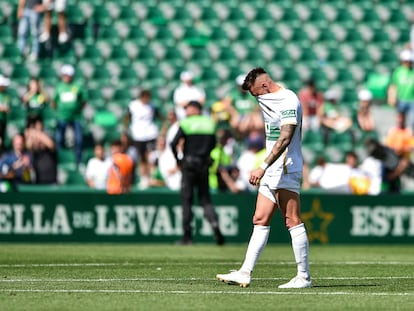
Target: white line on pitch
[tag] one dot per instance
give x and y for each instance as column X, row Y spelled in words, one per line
column 242, row 292
column 189, row 279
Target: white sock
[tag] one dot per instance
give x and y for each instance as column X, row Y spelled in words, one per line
column 257, row 242
column 300, row 245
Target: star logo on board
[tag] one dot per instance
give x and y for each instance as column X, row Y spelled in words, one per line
column 317, row 222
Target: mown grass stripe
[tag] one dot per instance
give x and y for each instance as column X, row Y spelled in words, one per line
column 101, row 280
column 242, row 292
column 97, row 264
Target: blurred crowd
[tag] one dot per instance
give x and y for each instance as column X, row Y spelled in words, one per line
column 347, row 148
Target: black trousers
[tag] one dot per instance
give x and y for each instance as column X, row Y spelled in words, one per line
column 195, row 179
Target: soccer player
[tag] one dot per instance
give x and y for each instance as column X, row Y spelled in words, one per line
column 278, row 177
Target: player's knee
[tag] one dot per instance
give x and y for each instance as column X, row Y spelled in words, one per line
column 291, row 222
column 261, row 220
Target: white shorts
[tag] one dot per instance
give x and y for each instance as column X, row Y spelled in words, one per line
column 57, row 5
column 290, row 182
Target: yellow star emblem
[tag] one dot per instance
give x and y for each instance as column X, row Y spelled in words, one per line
column 317, row 221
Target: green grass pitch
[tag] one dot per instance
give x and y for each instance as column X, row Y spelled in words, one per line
column 169, row 277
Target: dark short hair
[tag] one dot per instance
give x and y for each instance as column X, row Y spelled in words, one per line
column 145, row 93
column 194, row 103
column 251, row 77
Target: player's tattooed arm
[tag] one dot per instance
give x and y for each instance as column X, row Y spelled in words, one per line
column 286, row 134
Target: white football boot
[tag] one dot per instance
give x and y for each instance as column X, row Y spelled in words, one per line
column 235, row 278
column 297, row 282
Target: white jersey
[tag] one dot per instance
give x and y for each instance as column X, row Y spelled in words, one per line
column 280, row 108
column 143, row 126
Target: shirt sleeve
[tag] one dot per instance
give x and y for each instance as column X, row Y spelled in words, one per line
column 289, row 113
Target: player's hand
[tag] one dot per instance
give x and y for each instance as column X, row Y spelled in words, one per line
column 255, row 176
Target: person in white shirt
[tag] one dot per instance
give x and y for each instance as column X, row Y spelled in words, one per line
column 279, row 179
column 144, row 132
column 187, row 91
column 96, row 171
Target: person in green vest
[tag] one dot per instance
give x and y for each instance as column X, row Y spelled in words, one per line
column 401, row 88
column 69, row 99
column 4, row 108
column 220, row 158
column 191, row 146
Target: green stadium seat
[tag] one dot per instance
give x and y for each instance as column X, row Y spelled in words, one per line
column 74, row 177
column 137, row 35
column 20, row 74
column 93, row 54
column 128, row 76
column 120, row 55
column 201, row 55
column 66, row 157
column 164, row 35
column 128, row 15
column 6, row 34
column 75, row 15
column 155, row 15
column 236, row 15
column 209, row 15
column 11, row 53
column 109, row 33
column 313, row 140
column 48, row 74
column 101, row 15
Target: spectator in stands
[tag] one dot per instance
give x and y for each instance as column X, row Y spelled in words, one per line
column 220, row 158
column 29, row 13
column 220, row 114
column 59, row 6
column 120, row 172
column 170, row 126
column 394, row 167
column 128, row 148
column 245, row 115
column 400, row 138
column 333, row 117
column 165, row 171
column 43, row 150
column 69, row 100
column 231, row 179
column 35, row 99
column 247, row 160
column 187, row 91
column 16, row 166
column 5, row 101
column 401, row 88
column 142, row 121
column 363, row 118
column 97, row 168
column 311, row 99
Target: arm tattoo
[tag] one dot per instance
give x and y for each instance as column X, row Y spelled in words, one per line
column 286, row 134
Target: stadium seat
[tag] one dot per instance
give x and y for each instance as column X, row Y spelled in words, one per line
column 11, row 53
column 128, row 76
column 120, row 55
column 155, row 16
column 6, row 34
column 101, row 16
column 20, row 74
column 93, row 54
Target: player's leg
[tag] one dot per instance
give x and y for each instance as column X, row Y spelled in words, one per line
column 289, row 204
column 265, row 208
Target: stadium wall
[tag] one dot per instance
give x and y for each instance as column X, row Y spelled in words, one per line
column 152, row 217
